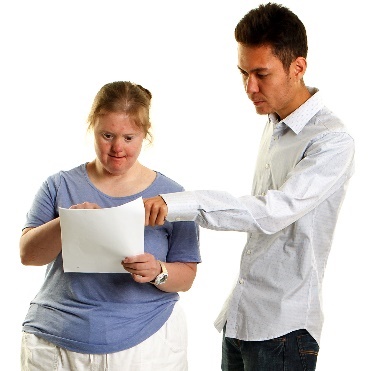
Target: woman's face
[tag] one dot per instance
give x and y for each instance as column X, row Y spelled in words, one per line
column 118, row 142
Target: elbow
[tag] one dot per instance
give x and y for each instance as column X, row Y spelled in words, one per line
column 25, row 248
column 187, row 284
column 26, row 258
column 26, row 254
column 26, row 262
column 186, row 287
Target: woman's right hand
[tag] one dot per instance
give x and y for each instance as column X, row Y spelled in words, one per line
column 85, row 205
column 41, row 245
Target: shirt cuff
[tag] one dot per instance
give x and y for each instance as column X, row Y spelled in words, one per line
column 182, row 206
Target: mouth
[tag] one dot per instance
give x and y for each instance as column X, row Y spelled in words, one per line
column 116, row 157
column 258, row 102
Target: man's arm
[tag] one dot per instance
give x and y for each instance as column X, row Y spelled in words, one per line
column 325, row 169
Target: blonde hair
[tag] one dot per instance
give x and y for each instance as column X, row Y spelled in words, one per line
column 123, row 97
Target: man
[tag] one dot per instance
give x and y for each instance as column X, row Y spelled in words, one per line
column 273, row 318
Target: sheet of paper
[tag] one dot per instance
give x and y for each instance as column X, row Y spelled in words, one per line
column 97, row 240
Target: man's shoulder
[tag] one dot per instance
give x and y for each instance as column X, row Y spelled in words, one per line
column 327, row 121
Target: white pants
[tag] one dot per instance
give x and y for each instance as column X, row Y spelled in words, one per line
column 166, row 350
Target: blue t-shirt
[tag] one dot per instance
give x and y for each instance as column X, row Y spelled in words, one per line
column 103, row 312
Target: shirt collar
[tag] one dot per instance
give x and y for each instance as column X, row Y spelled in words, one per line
column 300, row 117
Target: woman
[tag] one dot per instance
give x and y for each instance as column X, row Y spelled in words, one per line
column 109, row 321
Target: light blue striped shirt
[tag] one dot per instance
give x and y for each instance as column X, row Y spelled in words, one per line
column 302, row 171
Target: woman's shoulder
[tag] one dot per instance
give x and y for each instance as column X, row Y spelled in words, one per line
column 164, row 184
column 77, row 171
column 76, row 174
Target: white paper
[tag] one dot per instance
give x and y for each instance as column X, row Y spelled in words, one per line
column 97, row 240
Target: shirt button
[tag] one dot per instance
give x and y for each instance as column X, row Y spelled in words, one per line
column 248, row 252
column 263, row 194
column 267, row 166
column 177, row 219
column 240, row 281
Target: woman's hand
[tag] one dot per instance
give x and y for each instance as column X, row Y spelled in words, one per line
column 41, row 245
column 143, row 267
column 85, row 205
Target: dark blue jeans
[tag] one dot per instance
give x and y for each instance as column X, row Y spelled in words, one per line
column 296, row 351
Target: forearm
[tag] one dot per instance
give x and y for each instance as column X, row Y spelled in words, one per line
column 41, row 245
column 216, row 210
column 181, row 277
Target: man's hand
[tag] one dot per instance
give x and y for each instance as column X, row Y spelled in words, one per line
column 156, row 211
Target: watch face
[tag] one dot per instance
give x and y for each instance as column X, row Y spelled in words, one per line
column 161, row 278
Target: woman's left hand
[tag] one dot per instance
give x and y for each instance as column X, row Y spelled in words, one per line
column 143, row 268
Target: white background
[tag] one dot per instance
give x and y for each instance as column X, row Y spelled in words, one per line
column 56, row 55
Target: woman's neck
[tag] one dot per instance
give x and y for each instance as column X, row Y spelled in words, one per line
column 133, row 181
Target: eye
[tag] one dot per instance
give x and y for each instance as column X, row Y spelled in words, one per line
column 107, row 136
column 128, row 138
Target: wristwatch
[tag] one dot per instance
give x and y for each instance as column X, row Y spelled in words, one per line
column 162, row 277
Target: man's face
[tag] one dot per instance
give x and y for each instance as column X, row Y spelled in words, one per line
column 268, row 85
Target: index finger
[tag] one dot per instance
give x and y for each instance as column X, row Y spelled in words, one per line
column 156, row 211
column 141, row 258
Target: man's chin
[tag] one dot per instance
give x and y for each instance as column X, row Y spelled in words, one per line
column 262, row 111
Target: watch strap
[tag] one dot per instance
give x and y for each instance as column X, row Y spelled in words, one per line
column 162, row 276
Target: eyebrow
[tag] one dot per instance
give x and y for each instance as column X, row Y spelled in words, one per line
column 259, row 69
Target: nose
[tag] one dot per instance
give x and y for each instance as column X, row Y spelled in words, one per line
column 117, row 145
column 251, row 85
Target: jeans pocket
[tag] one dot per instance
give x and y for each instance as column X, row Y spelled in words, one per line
column 308, row 350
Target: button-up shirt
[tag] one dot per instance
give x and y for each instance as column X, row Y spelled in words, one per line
column 303, row 167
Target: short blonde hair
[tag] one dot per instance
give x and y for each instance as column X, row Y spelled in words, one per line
column 123, row 97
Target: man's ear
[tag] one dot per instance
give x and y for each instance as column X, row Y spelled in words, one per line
column 299, row 67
